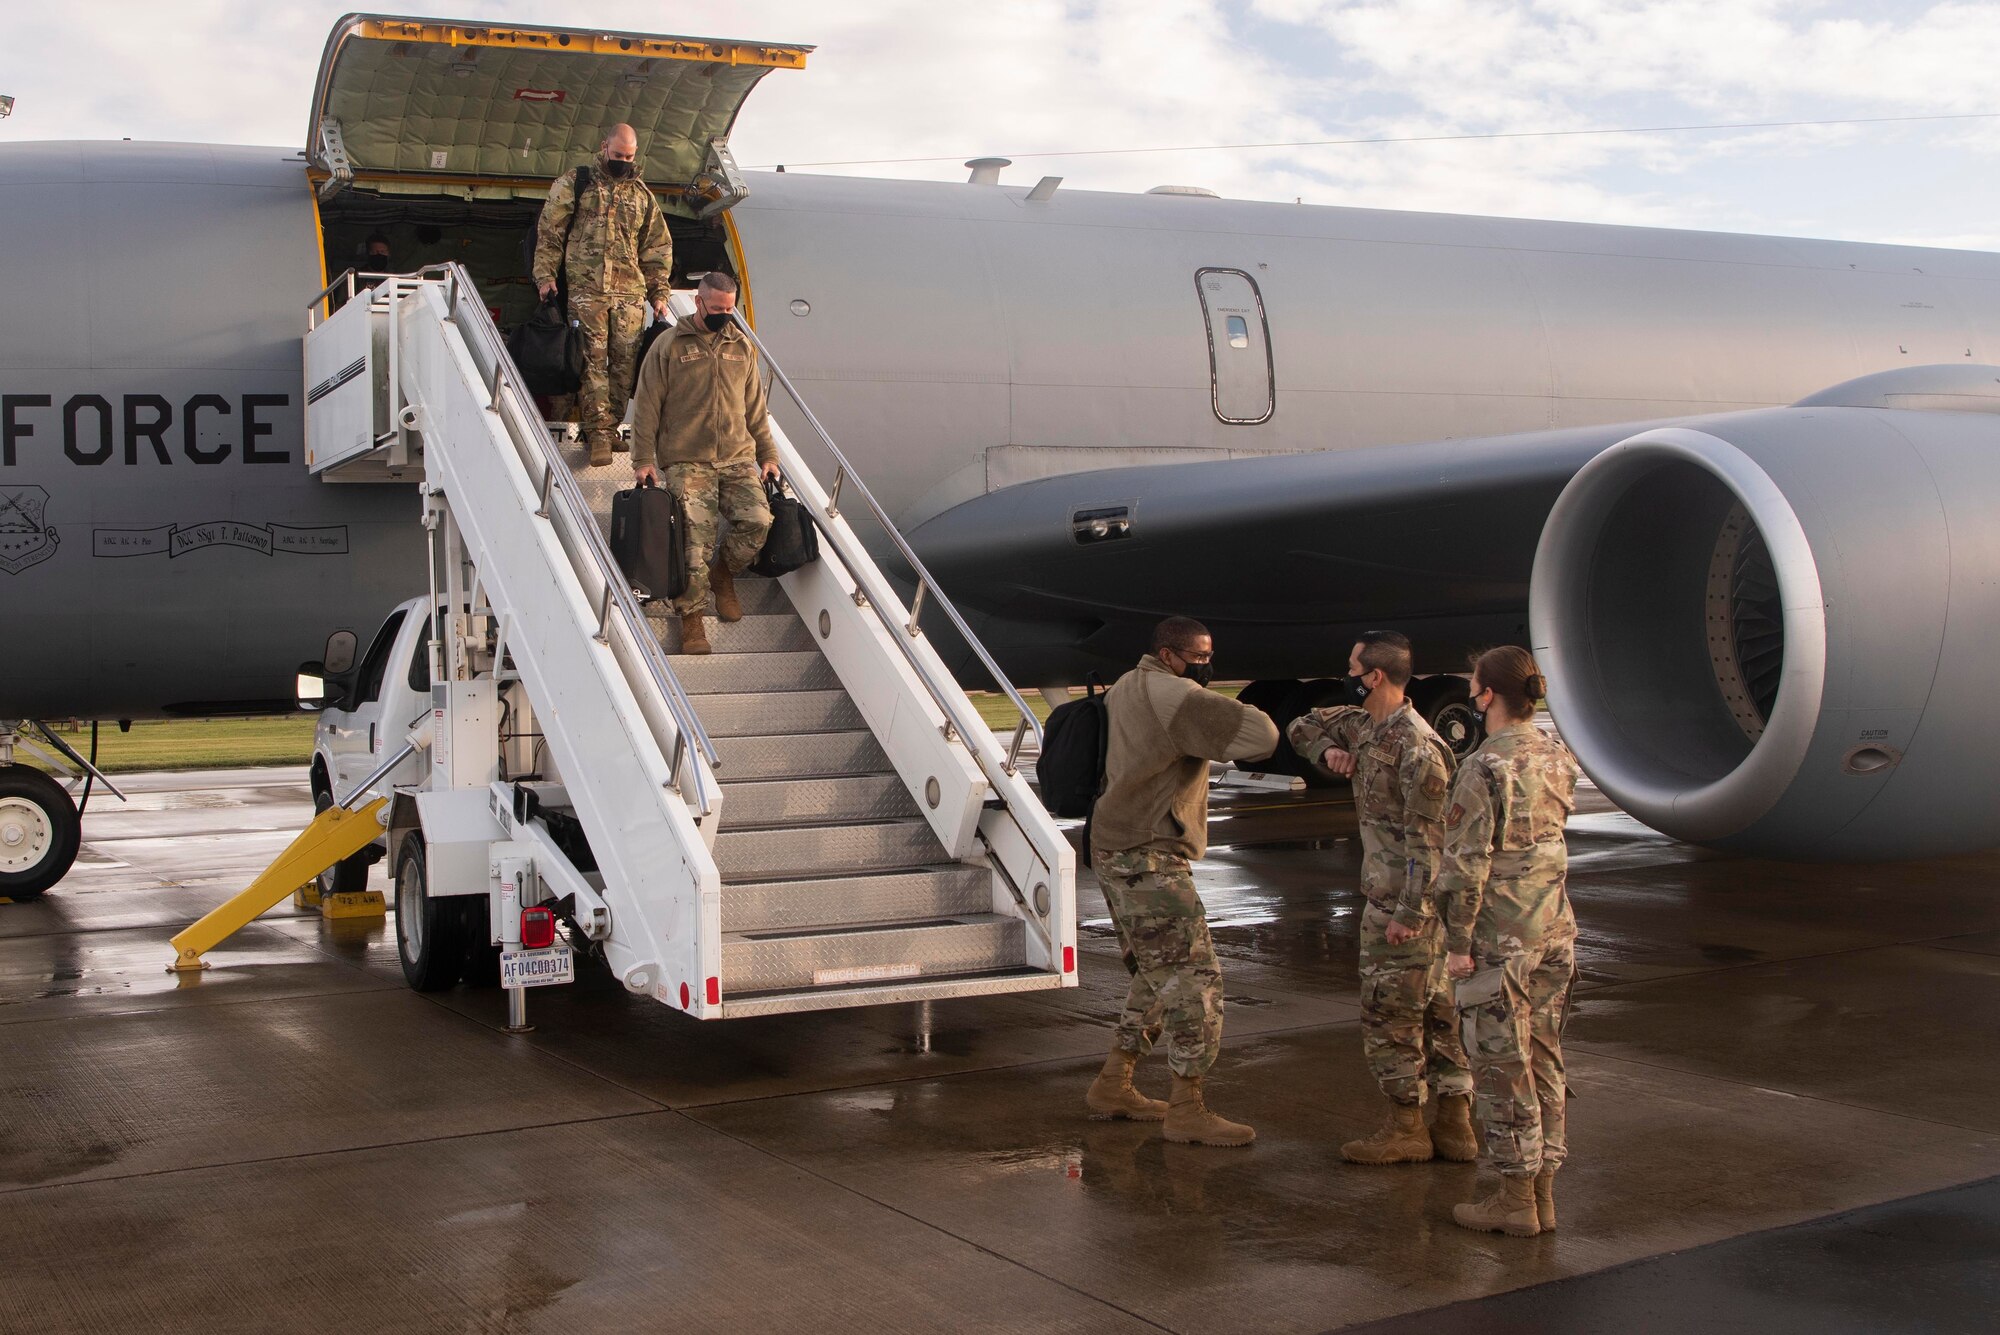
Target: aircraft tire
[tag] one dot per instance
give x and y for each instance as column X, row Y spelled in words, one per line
column 40, row 832
column 349, row 875
column 1445, row 703
column 431, row 934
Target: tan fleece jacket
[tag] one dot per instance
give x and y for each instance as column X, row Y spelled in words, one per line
column 700, row 400
column 1164, row 731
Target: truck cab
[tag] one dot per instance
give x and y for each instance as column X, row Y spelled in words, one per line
column 365, row 715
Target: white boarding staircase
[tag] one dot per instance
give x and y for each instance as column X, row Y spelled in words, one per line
column 813, row 816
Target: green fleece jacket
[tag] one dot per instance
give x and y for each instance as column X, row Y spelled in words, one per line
column 1164, row 731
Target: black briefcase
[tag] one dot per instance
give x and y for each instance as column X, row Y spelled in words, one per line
column 649, row 538
column 548, row 349
column 793, row 540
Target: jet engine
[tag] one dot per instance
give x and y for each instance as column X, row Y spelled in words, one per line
column 1778, row 631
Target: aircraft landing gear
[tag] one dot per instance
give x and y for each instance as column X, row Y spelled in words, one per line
column 1445, row 703
column 40, row 832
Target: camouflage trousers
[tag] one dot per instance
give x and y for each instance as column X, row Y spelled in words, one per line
column 610, row 327
column 1409, row 1023
column 1512, row 1012
column 711, row 493
column 1176, row 982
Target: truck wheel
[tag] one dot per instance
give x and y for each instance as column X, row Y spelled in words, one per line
column 348, row 876
column 40, row 832
column 430, row 933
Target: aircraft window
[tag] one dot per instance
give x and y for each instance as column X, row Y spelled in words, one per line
column 368, row 682
column 1242, row 389
column 420, row 662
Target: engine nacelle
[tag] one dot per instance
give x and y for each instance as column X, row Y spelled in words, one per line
column 1777, row 632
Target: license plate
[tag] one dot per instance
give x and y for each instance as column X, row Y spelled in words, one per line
column 537, row 968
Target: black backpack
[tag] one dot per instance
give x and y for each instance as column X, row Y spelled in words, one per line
column 1075, row 741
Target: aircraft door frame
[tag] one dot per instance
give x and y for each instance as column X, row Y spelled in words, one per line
column 1232, row 376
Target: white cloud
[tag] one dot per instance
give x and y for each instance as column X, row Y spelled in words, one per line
column 914, row 78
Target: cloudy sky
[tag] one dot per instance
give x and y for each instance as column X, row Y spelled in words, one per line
column 898, row 79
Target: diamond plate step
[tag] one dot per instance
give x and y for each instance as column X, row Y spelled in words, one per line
column 981, row 943
column 751, row 635
column 813, row 755
column 815, row 801
column 949, row 891
column 785, row 670
column 779, row 713
column 762, row 597
column 821, row 850
column 934, row 989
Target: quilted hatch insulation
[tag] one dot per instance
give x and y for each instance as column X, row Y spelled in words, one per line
column 402, row 104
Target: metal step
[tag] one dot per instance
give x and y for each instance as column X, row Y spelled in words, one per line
column 935, row 989
column 780, row 713
column 813, row 755
column 772, row 802
column 751, row 635
column 763, row 597
column 823, row 850
column 794, row 670
column 979, row 943
column 953, row 890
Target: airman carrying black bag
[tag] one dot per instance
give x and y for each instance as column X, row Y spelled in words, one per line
column 649, row 537
column 547, row 346
column 793, row 540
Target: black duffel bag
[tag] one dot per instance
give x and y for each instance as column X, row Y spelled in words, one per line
column 548, row 349
column 793, row 540
column 649, row 537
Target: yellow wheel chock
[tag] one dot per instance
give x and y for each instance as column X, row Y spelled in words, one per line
column 335, row 833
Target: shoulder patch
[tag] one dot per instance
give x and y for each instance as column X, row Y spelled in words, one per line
column 1456, row 817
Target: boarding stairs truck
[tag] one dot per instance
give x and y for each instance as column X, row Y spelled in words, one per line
column 813, row 816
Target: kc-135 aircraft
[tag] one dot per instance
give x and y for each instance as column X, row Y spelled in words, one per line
column 1739, row 492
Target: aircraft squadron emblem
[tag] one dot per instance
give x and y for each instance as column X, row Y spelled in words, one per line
column 26, row 538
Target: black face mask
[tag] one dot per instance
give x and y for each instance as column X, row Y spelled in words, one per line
column 1359, row 683
column 1201, row 674
column 379, row 264
column 715, row 321
column 617, row 168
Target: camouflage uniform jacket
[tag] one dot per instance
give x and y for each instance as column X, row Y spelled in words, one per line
column 1505, row 866
column 619, row 246
column 701, row 400
column 1402, row 771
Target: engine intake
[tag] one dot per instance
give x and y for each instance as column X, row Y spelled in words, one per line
column 1775, row 631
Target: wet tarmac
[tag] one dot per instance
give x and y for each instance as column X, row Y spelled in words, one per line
column 295, row 1141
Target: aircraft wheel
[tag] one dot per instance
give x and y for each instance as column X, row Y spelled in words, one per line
column 40, row 832
column 1445, row 702
column 431, row 936
column 350, row 874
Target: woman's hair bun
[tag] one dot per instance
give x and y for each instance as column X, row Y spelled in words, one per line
column 1535, row 688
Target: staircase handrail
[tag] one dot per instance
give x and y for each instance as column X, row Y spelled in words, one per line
column 558, row 483
column 952, row 701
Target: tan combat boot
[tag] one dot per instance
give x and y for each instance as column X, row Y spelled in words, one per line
column 722, row 587
column 1403, row 1138
column 1189, row 1122
column 1452, row 1134
column 1545, row 1199
column 1510, row 1209
column 600, row 451
column 1112, row 1095
column 694, row 633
